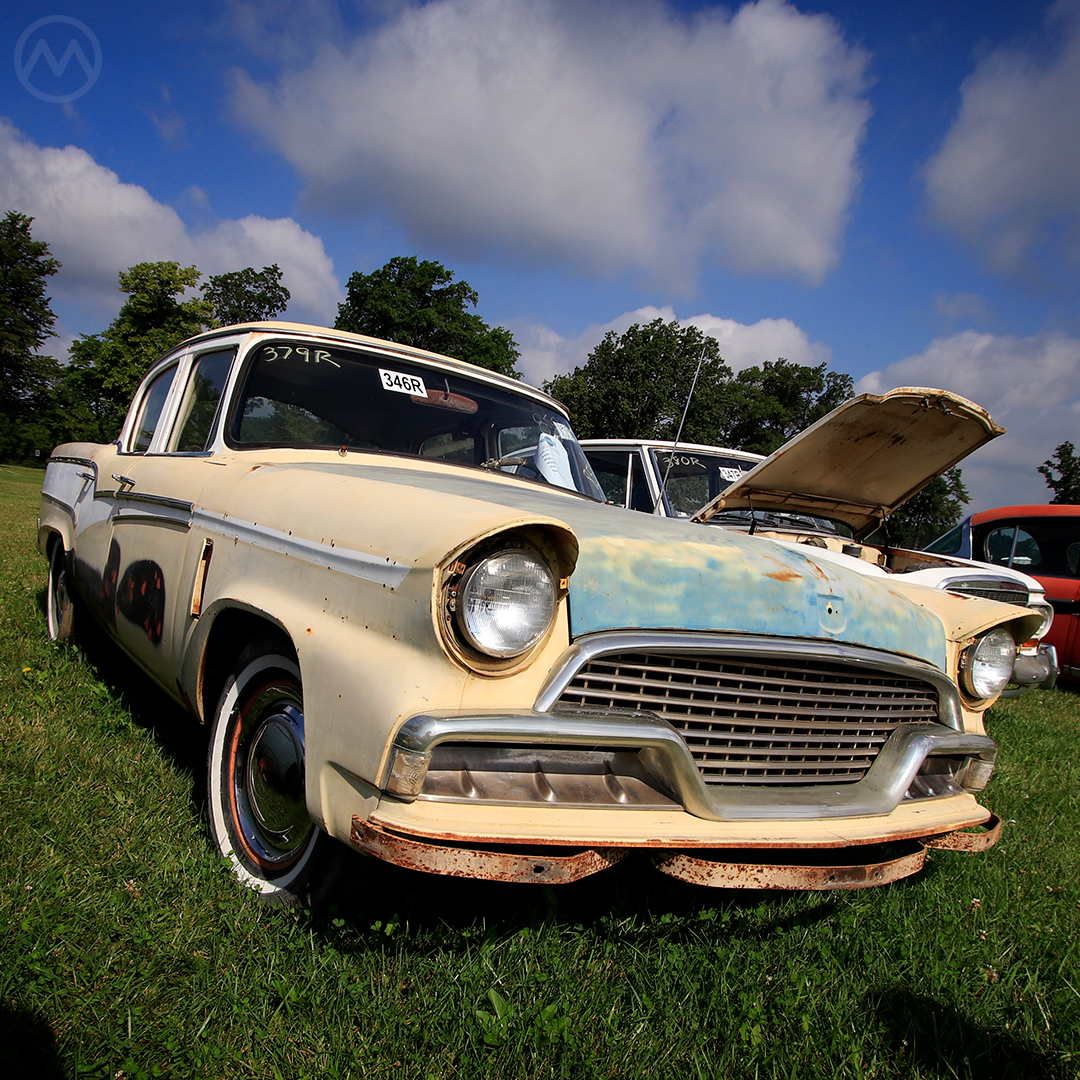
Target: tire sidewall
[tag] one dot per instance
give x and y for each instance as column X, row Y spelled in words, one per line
column 253, row 669
column 59, row 618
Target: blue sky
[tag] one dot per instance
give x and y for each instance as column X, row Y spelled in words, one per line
column 892, row 188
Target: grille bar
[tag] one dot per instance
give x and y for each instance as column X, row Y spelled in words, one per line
column 750, row 721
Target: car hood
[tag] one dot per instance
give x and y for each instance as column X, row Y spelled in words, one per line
column 642, row 572
column 864, row 459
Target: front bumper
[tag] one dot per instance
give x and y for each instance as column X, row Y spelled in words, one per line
column 639, row 761
column 1030, row 672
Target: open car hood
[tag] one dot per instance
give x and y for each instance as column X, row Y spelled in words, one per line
column 864, row 459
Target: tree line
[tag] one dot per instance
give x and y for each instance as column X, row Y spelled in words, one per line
column 636, row 384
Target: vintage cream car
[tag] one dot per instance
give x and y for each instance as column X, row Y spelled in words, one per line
column 389, row 582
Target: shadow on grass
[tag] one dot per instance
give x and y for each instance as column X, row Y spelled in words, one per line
column 177, row 734
column 942, row 1041
column 632, row 898
column 28, row 1048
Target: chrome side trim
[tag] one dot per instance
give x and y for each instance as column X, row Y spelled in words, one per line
column 731, row 645
column 150, row 500
column 356, row 564
column 72, row 461
column 667, row 757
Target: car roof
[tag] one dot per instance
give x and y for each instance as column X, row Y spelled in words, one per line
column 669, row 444
column 1025, row 511
column 346, row 337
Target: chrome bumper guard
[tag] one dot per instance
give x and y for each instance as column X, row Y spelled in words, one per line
column 1034, row 672
column 639, row 761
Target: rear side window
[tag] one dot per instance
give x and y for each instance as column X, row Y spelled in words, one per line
column 150, row 411
column 1047, row 546
column 202, row 396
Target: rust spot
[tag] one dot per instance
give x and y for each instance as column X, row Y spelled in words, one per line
column 965, row 841
column 309, row 631
column 537, row 867
column 784, row 575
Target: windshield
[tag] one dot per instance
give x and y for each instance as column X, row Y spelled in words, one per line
column 300, row 395
column 695, row 477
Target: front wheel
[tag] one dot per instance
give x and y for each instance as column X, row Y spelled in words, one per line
column 59, row 604
column 258, row 809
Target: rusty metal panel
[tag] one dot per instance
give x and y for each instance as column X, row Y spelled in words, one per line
column 965, row 841
column 728, row 875
column 527, row 867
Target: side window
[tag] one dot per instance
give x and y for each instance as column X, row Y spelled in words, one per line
column 640, row 496
column 999, row 545
column 611, row 469
column 1026, row 553
column 1012, row 546
column 150, row 411
column 195, row 420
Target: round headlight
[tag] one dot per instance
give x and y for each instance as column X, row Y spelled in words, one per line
column 987, row 666
column 506, row 603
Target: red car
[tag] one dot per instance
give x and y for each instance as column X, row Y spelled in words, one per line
column 1043, row 541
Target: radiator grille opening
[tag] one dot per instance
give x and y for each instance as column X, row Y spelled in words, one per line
column 761, row 721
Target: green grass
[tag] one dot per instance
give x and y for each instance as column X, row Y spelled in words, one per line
column 126, row 950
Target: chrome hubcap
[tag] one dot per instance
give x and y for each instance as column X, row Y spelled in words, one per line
column 269, row 777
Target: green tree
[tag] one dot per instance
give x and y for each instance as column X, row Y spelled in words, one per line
column 635, row 385
column 768, row 405
column 420, row 304
column 106, row 368
column 1066, row 486
column 247, row 295
column 928, row 513
column 26, row 323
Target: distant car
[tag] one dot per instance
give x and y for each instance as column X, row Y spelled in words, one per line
column 829, row 488
column 389, row 582
column 1043, row 541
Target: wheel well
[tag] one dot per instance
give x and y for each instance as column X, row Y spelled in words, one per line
column 232, row 632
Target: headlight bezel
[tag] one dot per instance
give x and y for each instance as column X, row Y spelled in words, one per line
column 458, row 572
column 996, row 647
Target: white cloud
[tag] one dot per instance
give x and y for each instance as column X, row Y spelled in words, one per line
column 96, row 225
column 1007, row 177
column 545, row 353
column 609, row 135
column 1029, row 385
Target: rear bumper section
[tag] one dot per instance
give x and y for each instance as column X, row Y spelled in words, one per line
column 733, row 868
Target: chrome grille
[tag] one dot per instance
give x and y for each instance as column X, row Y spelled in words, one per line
column 1007, row 592
column 773, row 721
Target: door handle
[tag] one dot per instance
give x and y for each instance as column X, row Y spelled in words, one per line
column 123, row 481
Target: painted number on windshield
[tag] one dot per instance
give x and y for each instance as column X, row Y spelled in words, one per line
column 402, row 383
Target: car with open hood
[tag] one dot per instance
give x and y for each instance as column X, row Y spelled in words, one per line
column 390, row 584
column 832, row 487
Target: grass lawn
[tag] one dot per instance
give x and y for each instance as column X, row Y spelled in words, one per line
column 128, row 951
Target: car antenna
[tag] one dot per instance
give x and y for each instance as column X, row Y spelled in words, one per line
column 678, row 434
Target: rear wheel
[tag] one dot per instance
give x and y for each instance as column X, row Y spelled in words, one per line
column 256, row 781
column 59, row 604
